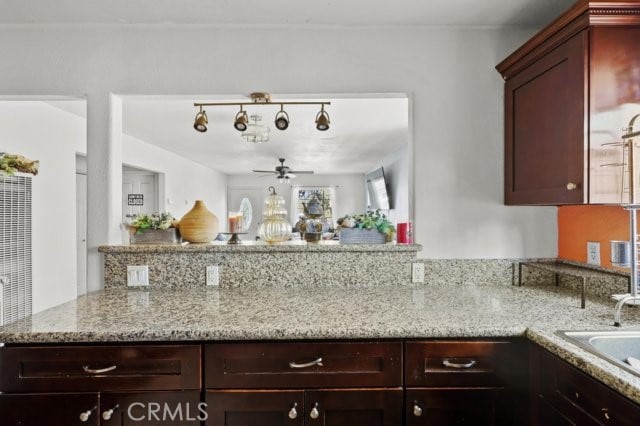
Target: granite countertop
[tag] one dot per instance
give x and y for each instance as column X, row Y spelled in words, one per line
column 257, row 313
column 261, row 247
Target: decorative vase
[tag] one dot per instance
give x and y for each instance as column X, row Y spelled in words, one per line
column 274, row 228
column 199, row 225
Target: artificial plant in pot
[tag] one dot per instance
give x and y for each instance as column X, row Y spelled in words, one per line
column 372, row 227
column 156, row 228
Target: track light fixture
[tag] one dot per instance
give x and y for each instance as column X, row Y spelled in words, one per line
column 201, row 121
column 241, row 120
column 322, row 120
column 282, row 119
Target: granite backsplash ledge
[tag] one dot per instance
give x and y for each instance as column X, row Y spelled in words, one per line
column 283, row 265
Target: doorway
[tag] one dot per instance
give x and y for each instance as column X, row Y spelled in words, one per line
column 139, row 193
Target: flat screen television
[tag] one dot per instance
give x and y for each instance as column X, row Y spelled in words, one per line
column 378, row 190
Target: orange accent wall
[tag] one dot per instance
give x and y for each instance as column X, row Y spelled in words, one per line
column 579, row 224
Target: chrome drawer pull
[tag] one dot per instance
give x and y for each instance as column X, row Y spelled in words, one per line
column 307, row 364
column 98, row 370
column 448, row 363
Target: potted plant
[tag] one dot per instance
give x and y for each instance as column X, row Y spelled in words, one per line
column 372, row 227
column 156, row 228
column 10, row 164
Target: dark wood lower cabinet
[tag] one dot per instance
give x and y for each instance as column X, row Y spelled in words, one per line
column 248, row 408
column 155, row 408
column 49, row 409
column 478, row 407
column 340, row 407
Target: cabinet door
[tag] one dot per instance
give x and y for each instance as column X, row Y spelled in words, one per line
column 49, row 409
column 445, row 406
column 157, row 408
column 251, row 408
column 354, row 407
column 545, row 128
column 549, row 416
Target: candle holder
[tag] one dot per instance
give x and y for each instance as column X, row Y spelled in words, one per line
column 234, row 237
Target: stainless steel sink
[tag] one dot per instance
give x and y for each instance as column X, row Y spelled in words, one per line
column 614, row 346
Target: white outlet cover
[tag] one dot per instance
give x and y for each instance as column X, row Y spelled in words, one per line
column 593, row 253
column 417, row 272
column 213, row 275
column 137, row 275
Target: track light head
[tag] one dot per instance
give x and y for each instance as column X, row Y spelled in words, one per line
column 322, row 120
column 201, row 121
column 241, row 121
column 282, row 119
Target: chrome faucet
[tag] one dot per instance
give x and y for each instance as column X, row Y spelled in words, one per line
column 626, row 299
column 633, row 229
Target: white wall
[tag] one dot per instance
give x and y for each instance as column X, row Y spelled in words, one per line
column 42, row 132
column 457, row 106
column 184, row 181
column 350, row 191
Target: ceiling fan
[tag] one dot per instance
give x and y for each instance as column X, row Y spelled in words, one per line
column 284, row 173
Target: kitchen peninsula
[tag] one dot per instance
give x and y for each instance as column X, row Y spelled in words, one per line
column 377, row 328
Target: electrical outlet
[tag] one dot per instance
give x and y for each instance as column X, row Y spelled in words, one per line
column 417, row 272
column 137, row 275
column 593, row 253
column 213, row 275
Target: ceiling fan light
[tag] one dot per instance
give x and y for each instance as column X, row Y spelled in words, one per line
column 282, row 120
column 241, row 120
column 201, row 121
column 322, row 120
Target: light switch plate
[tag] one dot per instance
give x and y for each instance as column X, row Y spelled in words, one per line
column 593, row 253
column 417, row 272
column 213, row 275
column 137, row 275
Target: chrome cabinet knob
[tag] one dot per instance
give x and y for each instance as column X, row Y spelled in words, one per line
column 571, row 186
column 417, row 411
column 314, row 414
column 293, row 413
column 85, row 416
column 106, row 415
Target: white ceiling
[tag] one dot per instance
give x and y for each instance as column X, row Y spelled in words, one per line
column 362, row 132
column 283, row 12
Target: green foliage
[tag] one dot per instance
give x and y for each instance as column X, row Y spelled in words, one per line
column 154, row 221
column 11, row 163
column 372, row 219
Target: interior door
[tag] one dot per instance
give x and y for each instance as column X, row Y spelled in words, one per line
column 139, row 194
column 81, row 233
column 254, row 195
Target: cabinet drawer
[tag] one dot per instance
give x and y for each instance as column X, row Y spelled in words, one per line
column 303, row 365
column 581, row 396
column 99, row 368
column 456, row 363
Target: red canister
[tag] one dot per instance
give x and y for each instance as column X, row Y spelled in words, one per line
column 404, row 233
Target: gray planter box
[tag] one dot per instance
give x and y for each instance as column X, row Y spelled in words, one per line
column 156, row 236
column 361, row 236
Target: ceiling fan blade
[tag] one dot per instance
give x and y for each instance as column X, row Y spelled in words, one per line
column 264, row 171
column 290, row 175
column 302, row 172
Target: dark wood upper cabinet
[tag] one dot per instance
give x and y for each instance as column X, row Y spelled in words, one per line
column 569, row 92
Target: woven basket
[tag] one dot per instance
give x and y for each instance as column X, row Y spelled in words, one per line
column 361, row 236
